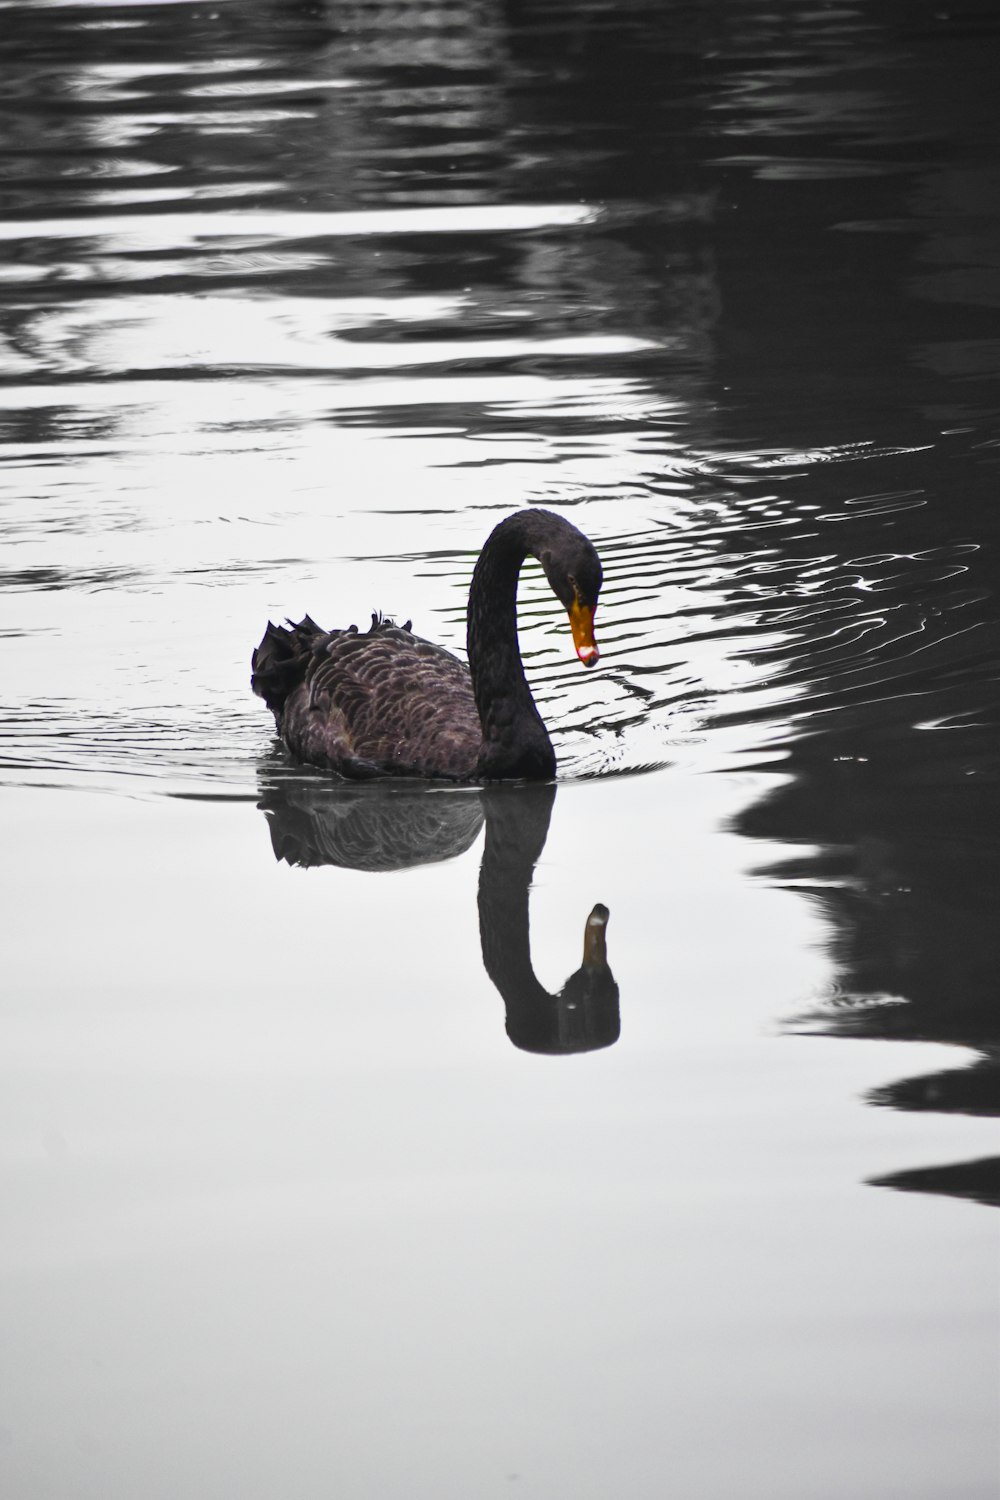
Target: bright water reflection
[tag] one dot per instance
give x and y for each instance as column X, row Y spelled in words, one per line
column 298, row 300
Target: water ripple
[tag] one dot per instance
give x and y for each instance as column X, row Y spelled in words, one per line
column 298, row 304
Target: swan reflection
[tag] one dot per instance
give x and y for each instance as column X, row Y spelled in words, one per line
column 314, row 820
column 584, row 1014
column 384, row 826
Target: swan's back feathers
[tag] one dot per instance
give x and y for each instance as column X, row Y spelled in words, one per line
column 367, row 704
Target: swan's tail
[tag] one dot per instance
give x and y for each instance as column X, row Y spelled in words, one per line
column 279, row 662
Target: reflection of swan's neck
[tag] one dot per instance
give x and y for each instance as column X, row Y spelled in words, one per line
column 584, row 1015
column 515, row 741
column 517, row 823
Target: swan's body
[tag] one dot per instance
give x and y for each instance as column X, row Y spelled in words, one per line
column 388, row 703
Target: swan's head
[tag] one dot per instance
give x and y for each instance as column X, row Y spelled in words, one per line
column 573, row 569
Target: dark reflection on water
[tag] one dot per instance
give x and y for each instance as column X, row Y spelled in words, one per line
column 584, row 1015
column 316, row 820
column 905, row 864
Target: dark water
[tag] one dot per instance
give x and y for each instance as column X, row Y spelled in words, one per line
column 297, row 301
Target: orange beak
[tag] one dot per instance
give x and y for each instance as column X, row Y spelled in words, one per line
column 581, row 618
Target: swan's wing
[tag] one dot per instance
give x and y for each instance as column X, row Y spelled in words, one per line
column 383, row 702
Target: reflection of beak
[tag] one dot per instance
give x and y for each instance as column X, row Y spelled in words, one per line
column 595, row 947
column 581, row 618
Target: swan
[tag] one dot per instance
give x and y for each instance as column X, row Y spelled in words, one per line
column 384, row 702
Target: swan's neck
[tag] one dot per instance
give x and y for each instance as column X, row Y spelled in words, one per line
column 515, row 741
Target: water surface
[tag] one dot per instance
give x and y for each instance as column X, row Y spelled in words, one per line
column 328, row 1164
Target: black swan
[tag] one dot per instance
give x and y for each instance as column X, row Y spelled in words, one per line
column 386, row 703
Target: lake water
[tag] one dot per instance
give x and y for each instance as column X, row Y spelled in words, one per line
column 324, row 1173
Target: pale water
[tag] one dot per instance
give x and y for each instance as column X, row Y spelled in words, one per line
column 324, row 1173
